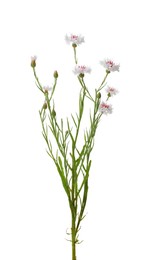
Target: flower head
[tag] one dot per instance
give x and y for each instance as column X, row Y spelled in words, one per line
column 111, row 91
column 74, row 39
column 47, row 88
column 33, row 61
column 105, row 108
column 109, row 65
column 81, row 70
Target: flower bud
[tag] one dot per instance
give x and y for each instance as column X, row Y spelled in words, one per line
column 107, row 71
column 99, row 95
column 53, row 113
column 45, row 106
column 33, row 61
column 55, row 74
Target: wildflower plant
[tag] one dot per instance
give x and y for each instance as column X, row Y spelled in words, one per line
column 73, row 164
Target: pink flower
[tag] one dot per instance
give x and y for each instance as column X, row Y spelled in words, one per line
column 74, row 39
column 111, row 91
column 109, row 65
column 81, row 70
column 105, row 108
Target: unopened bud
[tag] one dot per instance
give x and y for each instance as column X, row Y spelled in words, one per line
column 107, row 71
column 74, row 45
column 99, row 95
column 55, row 74
column 53, row 113
column 33, row 61
column 45, row 106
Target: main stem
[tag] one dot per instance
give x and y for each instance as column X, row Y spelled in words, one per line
column 73, row 239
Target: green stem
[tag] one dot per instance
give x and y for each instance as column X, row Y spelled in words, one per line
column 38, row 82
column 84, row 86
column 81, row 108
column 87, row 151
column 75, row 57
column 53, row 89
column 84, row 200
column 74, row 203
column 73, row 239
column 101, row 86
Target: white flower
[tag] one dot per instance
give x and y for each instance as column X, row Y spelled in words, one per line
column 81, row 70
column 74, row 39
column 111, row 91
column 47, row 88
column 105, row 108
column 109, row 65
column 33, row 58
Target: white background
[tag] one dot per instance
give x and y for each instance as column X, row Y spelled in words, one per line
column 34, row 213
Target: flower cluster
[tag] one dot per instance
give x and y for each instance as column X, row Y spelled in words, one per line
column 81, row 70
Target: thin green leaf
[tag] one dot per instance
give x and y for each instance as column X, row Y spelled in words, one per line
column 74, row 120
